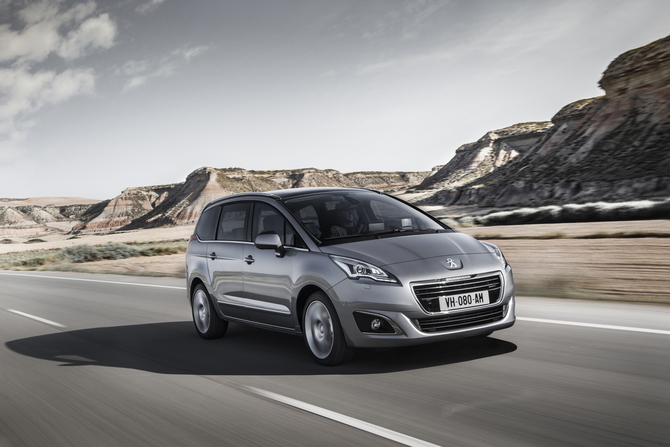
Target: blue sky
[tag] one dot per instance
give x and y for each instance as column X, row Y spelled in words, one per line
column 99, row 96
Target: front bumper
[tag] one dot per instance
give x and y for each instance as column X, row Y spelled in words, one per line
column 410, row 323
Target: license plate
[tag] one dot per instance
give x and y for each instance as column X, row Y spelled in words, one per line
column 464, row 300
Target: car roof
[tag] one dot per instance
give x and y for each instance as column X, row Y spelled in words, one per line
column 283, row 194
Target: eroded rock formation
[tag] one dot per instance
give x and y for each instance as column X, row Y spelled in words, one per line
column 614, row 147
column 17, row 219
column 493, row 150
column 181, row 203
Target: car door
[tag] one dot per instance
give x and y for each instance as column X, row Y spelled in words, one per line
column 225, row 259
column 268, row 279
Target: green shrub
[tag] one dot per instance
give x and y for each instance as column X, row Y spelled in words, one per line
column 34, row 262
column 88, row 253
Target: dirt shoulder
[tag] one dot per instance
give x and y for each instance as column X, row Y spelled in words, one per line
column 617, row 269
column 169, row 265
column 63, row 241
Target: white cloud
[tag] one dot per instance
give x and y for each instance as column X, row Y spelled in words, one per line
column 134, row 67
column 188, row 53
column 48, row 29
column 514, row 36
column 95, row 32
column 44, row 33
column 404, row 23
column 24, row 93
column 141, row 72
column 149, row 6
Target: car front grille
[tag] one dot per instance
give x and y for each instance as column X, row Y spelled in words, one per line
column 429, row 294
column 461, row 320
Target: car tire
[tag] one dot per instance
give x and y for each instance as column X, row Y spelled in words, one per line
column 207, row 322
column 323, row 332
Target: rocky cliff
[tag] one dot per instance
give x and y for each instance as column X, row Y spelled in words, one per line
column 181, row 203
column 18, row 219
column 493, row 150
column 615, row 147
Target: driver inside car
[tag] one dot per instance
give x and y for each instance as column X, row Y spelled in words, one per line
column 347, row 221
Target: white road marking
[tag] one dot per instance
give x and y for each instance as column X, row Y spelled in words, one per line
column 43, row 320
column 96, row 280
column 598, row 326
column 342, row 419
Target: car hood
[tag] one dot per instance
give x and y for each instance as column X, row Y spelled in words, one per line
column 405, row 248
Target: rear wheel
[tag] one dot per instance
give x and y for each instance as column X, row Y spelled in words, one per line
column 323, row 333
column 206, row 320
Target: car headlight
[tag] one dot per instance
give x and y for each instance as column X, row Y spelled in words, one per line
column 356, row 269
column 495, row 251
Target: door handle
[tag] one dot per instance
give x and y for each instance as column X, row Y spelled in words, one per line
column 249, row 260
column 213, row 256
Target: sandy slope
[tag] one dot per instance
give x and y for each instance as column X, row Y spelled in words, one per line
column 43, row 201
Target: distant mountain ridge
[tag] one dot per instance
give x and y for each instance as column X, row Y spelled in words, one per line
column 181, row 203
column 23, row 220
column 610, row 148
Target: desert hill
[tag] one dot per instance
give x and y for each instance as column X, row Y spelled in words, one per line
column 181, row 203
column 19, row 217
column 610, row 148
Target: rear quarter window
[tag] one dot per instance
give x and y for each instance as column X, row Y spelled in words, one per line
column 206, row 227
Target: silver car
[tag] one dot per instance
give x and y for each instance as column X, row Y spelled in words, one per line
column 344, row 268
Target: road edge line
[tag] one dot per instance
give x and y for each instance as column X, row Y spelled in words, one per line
column 595, row 325
column 95, row 280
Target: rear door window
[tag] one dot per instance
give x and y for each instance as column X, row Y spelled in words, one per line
column 232, row 225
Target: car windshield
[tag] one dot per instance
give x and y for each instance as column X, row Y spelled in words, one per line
column 342, row 215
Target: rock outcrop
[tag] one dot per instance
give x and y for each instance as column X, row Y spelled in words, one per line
column 181, row 203
column 611, row 148
column 17, row 219
column 492, row 151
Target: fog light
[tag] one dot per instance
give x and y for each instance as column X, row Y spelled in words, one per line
column 369, row 323
column 376, row 324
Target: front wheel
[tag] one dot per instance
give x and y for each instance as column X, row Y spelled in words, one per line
column 323, row 333
column 206, row 320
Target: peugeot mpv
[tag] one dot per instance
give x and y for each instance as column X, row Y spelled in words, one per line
column 344, row 268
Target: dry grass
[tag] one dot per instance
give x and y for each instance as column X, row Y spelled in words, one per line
column 620, row 261
column 71, row 258
column 168, row 265
column 56, row 241
column 600, row 269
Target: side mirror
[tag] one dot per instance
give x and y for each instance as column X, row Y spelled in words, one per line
column 268, row 241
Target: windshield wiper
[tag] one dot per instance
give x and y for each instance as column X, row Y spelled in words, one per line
column 410, row 230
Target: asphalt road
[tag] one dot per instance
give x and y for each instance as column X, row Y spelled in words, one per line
column 118, row 362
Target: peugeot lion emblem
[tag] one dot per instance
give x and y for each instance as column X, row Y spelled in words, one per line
column 454, row 264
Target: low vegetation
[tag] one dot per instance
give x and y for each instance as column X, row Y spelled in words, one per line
column 89, row 253
column 586, row 212
column 560, row 235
